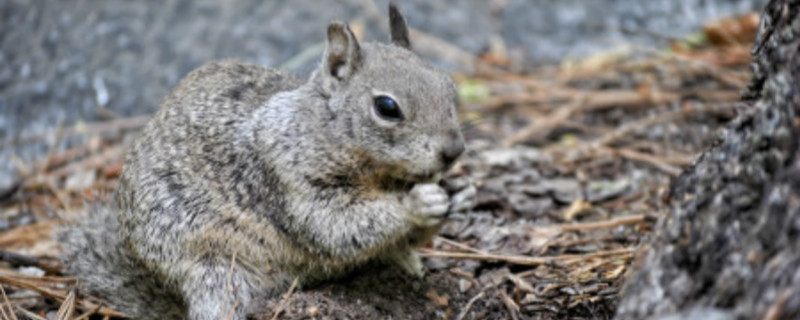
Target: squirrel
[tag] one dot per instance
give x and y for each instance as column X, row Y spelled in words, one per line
column 248, row 179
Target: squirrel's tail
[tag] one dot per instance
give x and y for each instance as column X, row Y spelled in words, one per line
column 95, row 254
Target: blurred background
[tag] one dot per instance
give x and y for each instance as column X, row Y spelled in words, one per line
column 88, row 60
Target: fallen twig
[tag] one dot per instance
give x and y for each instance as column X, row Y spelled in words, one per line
column 587, row 100
column 88, row 314
column 67, row 308
column 86, row 129
column 58, row 295
column 68, row 155
column 539, row 127
column 626, row 252
column 92, row 162
column 29, row 314
column 460, row 245
column 654, row 161
column 605, row 224
column 584, row 240
column 513, row 307
column 520, row 259
column 469, row 305
column 640, row 124
column 776, row 308
column 8, row 305
column 285, row 300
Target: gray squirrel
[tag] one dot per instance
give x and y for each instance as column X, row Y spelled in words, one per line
column 247, row 179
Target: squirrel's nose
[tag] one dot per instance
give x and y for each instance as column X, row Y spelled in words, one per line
column 451, row 151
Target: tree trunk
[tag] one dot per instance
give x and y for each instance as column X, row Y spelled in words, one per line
column 729, row 247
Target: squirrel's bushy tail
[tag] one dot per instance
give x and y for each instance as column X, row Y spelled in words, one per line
column 95, row 254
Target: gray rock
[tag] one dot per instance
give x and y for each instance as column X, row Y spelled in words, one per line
column 528, row 206
column 602, row 190
column 563, row 190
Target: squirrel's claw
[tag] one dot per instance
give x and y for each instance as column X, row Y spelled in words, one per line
column 410, row 262
column 429, row 204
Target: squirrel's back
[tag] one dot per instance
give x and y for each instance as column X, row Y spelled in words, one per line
column 97, row 255
column 96, row 249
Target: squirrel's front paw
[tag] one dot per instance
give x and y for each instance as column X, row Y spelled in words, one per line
column 429, row 204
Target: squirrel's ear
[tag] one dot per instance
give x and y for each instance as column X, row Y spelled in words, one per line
column 398, row 28
column 342, row 52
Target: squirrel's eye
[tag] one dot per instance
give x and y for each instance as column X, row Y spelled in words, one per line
column 387, row 108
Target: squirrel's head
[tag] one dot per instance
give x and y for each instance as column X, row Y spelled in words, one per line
column 387, row 105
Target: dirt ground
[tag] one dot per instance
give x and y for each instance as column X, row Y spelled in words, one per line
column 572, row 164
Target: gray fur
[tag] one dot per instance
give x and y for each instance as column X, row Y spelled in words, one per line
column 247, row 178
column 397, row 25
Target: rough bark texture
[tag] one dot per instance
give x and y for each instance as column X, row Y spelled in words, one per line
column 729, row 247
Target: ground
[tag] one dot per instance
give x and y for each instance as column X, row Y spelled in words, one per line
column 572, row 163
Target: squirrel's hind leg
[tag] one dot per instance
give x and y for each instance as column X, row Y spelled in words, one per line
column 409, row 261
column 219, row 291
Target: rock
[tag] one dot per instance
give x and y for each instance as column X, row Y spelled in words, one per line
column 464, row 285
column 603, row 190
column 562, row 190
column 528, row 206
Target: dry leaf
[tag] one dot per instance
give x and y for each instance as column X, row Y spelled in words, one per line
column 439, row 300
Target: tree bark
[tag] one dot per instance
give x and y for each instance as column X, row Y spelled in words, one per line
column 729, row 245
